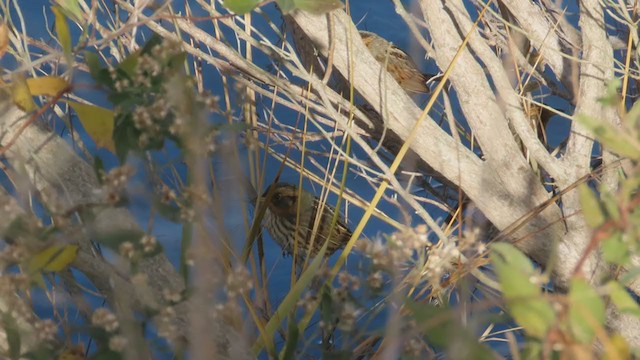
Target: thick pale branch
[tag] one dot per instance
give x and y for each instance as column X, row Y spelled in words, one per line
column 597, row 57
column 488, row 114
column 432, row 145
column 488, row 190
column 543, row 35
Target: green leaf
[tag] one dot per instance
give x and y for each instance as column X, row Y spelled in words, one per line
column 289, row 352
column 97, row 122
column 122, row 136
column 612, row 95
column 114, row 239
column 71, row 8
column 590, row 206
column 474, row 350
column 154, row 41
column 93, row 62
column 125, row 136
column 317, row 7
column 629, row 276
column 524, row 299
column 286, row 6
column 615, row 250
column 240, row 6
column 62, row 30
column 586, row 311
column 633, row 116
column 533, row 349
column 441, row 328
column 609, row 202
column 128, row 65
column 13, row 335
column 52, row 259
column 629, row 188
column 435, row 322
column 288, row 303
column 100, row 74
column 327, row 310
column 515, row 258
column 613, row 139
column 621, row 298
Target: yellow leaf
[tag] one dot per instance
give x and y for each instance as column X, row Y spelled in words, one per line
column 62, row 30
column 617, row 348
column 4, row 38
column 47, row 85
column 52, row 259
column 97, row 122
column 21, row 95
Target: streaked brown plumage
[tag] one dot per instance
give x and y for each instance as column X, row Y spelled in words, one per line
column 399, row 63
column 280, row 220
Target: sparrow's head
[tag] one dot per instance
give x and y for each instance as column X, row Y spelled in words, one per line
column 284, row 200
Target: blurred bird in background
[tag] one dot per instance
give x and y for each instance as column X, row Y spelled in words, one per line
column 399, row 63
column 286, row 226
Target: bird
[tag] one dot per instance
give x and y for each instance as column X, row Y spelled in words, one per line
column 399, row 63
column 286, row 225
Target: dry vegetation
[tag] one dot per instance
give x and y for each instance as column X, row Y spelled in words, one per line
column 200, row 110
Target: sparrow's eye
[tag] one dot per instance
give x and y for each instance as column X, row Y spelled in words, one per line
column 277, row 197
